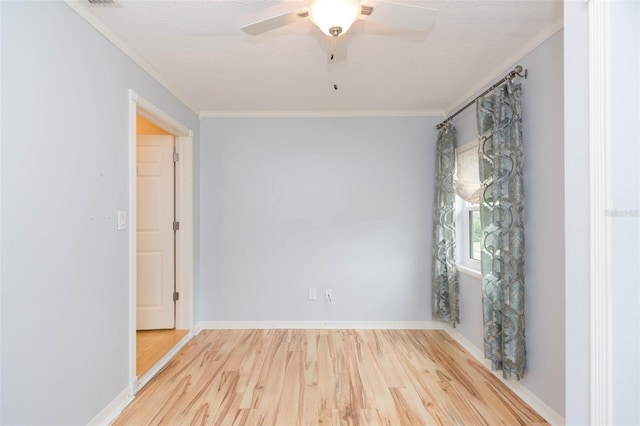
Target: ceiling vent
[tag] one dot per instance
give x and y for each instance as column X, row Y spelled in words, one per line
column 105, row 3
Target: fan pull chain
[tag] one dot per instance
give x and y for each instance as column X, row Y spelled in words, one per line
column 333, row 48
column 332, row 55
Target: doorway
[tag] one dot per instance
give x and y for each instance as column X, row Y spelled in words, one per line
column 155, row 227
column 156, row 331
column 160, row 238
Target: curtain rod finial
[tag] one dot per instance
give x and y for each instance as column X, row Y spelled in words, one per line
column 518, row 71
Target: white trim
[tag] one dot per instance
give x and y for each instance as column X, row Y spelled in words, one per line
column 542, row 36
column 184, row 239
column 113, row 410
column 0, row 208
column 133, row 245
column 599, row 234
column 472, row 144
column 465, row 260
column 158, row 117
column 331, row 325
column 470, row 272
column 320, row 114
column 81, row 8
column 146, row 377
column 549, row 414
column 464, row 263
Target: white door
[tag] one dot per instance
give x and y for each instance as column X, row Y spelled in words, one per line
column 155, row 234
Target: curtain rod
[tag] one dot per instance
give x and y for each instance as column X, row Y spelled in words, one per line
column 516, row 72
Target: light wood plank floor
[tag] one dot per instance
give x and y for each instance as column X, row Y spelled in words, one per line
column 310, row 377
column 151, row 345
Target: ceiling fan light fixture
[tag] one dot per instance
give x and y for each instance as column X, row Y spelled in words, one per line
column 334, row 17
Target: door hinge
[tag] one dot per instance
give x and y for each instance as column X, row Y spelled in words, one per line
column 176, row 296
column 176, row 226
column 176, row 157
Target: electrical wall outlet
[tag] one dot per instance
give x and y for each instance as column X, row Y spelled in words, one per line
column 313, row 293
column 328, row 295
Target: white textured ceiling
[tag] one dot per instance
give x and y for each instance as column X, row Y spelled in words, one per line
column 198, row 50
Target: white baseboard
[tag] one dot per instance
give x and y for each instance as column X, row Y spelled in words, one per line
column 111, row 411
column 115, row 407
column 331, row 325
column 549, row 414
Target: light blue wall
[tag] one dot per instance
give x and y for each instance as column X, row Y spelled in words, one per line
column 624, row 210
column 576, row 186
column 64, row 170
column 293, row 203
column 542, row 114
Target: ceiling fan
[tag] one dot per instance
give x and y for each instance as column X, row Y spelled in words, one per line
column 335, row 17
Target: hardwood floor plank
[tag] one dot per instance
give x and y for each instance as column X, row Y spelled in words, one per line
column 310, row 403
column 271, row 379
column 325, row 377
column 151, row 345
column 422, row 375
column 260, row 419
column 292, row 395
column 326, row 380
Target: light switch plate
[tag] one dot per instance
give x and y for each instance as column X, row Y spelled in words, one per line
column 122, row 220
column 313, row 293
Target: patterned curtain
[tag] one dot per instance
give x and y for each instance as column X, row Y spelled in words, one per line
column 502, row 220
column 444, row 284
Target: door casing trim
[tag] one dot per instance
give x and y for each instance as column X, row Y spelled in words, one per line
column 184, row 214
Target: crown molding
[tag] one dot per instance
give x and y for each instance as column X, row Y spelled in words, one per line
column 79, row 7
column 542, row 36
column 321, row 114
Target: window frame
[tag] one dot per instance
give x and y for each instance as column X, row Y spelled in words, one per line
column 466, row 263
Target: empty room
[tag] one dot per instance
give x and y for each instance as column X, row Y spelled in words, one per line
column 288, row 212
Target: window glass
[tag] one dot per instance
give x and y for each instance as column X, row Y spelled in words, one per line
column 475, row 235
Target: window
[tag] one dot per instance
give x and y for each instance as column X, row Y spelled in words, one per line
column 468, row 188
column 466, row 179
column 469, row 237
column 475, row 233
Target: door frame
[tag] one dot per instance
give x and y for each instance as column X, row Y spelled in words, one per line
column 184, row 215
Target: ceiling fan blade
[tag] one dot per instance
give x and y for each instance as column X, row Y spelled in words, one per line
column 275, row 22
column 413, row 18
